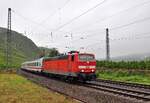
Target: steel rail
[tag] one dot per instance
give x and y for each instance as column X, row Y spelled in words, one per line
column 30, row 74
column 121, row 91
column 125, row 83
column 128, row 92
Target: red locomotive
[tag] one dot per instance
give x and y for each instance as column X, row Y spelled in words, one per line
column 73, row 65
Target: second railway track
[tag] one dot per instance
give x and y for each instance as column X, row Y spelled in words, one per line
column 133, row 85
column 120, row 90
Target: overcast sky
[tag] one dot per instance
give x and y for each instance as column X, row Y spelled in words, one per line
column 86, row 20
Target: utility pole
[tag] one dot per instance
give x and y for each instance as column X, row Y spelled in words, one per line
column 8, row 40
column 71, row 38
column 107, row 45
column 52, row 36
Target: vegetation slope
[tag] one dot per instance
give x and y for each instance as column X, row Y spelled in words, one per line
column 22, row 48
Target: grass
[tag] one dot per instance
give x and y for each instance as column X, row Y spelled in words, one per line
column 122, row 71
column 17, row 59
column 132, row 77
column 16, row 89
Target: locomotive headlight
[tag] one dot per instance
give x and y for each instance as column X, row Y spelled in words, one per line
column 82, row 70
column 92, row 70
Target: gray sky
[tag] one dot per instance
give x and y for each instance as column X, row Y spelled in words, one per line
column 128, row 21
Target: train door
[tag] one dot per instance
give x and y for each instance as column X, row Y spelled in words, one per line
column 71, row 61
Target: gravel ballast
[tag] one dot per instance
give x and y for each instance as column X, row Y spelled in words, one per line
column 82, row 93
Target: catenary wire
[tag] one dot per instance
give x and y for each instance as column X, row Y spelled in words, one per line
column 75, row 18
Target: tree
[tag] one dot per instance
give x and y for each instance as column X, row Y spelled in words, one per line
column 53, row 52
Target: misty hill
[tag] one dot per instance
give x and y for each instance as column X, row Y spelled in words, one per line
column 133, row 57
column 22, row 47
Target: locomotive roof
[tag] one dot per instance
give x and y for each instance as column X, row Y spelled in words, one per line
column 56, row 57
column 73, row 52
column 61, row 56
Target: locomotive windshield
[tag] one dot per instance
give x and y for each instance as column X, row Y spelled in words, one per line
column 84, row 57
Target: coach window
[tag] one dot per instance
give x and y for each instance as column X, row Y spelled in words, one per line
column 37, row 63
column 72, row 57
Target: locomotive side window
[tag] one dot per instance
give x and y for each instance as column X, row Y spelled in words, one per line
column 72, row 57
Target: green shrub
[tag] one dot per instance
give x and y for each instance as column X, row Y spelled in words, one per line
column 124, row 64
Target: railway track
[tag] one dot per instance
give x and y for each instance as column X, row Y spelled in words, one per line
column 140, row 92
column 136, row 91
column 33, row 76
column 141, row 86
